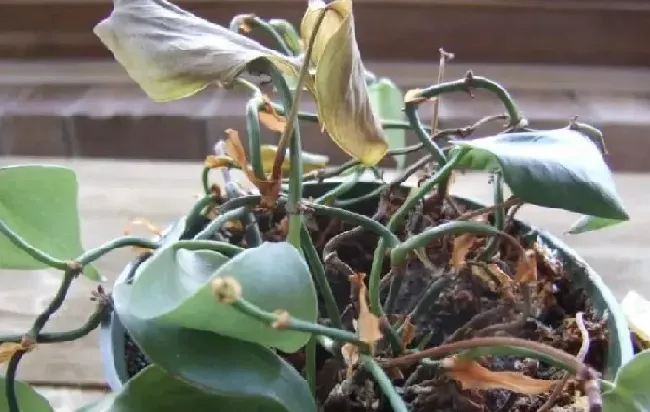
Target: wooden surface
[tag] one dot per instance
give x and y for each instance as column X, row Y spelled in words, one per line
column 114, row 192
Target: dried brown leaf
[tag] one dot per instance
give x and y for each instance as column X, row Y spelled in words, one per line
column 214, row 162
column 526, row 271
column 350, row 355
column 8, row 349
column 462, row 245
column 368, row 324
column 270, row 118
column 408, row 332
column 471, row 375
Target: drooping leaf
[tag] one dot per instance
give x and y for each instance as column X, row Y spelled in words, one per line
column 555, row 168
column 28, row 399
column 471, row 375
column 387, row 103
column 591, row 223
column 310, row 161
column 173, row 288
column 368, row 324
column 241, row 373
column 631, row 389
column 462, row 246
column 344, row 107
column 39, row 203
column 173, row 54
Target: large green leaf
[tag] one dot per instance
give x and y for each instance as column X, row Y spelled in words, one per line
column 28, row 399
column 387, row 103
column 241, row 373
column 173, row 288
column 39, row 203
column 591, row 223
column 631, row 390
column 555, row 168
column 154, row 390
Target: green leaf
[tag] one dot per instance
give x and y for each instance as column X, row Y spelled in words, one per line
column 591, row 223
column 173, row 288
column 154, row 390
column 387, row 103
column 631, row 389
column 39, row 203
column 251, row 376
column 555, row 168
column 28, row 399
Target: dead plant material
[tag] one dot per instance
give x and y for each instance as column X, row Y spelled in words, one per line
column 471, row 375
column 368, row 325
column 462, row 246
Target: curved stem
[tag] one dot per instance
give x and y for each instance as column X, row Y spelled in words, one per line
column 118, row 243
column 499, row 219
column 384, row 383
column 35, row 253
column 254, row 133
column 221, row 247
column 255, row 22
column 410, row 110
column 344, row 187
column 215, row 225
column 10, row 381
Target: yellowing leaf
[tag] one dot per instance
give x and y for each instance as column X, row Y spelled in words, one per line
column 343, row 102
column 310, row 161
column 173, row 54
column 471, row 375
column 526, row 271
column 462, row 245
column 272, row 121
column 8, row 349
column 367, row 324
column 214, row 162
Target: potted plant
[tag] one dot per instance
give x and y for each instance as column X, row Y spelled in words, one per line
column 325, row 289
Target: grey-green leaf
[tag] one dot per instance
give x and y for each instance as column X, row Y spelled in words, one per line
column 173, row 288
column 591, row 223
column 631, row 389
column 387, row 101
column 39, row 203
column 28, row 399
column 556, row 168
column 241, row 373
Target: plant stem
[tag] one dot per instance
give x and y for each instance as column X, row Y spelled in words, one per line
column 399, row 253
column 499, row 220
column 310, row 364
column 118, row 243
column 68, row 276
column 512, row 201
column 221, row 247
column 35, row 253
column 10, row 381
column 288, row 33
column 384, row 383
column 318, row 274
column 197, row 209
column 344, row 187
column 493, row 345
column 291, row 323
column 254, row 133
column 410, row 110
column 252, row 234
column 215, row 225
column 428, row 297
column 254, row 21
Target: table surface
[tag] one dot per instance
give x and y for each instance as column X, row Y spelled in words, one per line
column 111, row 193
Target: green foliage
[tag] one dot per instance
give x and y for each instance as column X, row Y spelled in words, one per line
column 554, row 168
column 173, row 288
column 39, row 204
column 630, row 392
column 591, row 223
column 28, row 399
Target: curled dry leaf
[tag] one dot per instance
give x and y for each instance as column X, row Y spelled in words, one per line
column 310, row 161
column 350, row 355
column 8, row 349
column 214, row 162
column 226, row 289
column 471, row 375
column 270, row 118
column 526, row 271
column 148, row 225
column 408, row 332
column 339, row 85
column 368, row 324
column 491, row 273
column 462, row 245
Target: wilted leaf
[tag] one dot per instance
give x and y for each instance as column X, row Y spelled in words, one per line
column 471, row 375
column 408, row 332
column 214, row 162
column 344, row 108
column 173, row 54
column 462, row 245
column 591, row 223
column 350, row 355
column 273, row 122
column 553, row 168
column 526, row 270
column 368, row 324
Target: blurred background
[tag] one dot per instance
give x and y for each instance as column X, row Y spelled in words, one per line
column 63, row 100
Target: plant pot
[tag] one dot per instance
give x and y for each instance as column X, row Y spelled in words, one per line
column 113, row 334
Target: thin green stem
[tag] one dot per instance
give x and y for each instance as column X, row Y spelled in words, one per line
column 252, row 234
column 254, row 133
column 428, row 297
column 499, row 219
column 291, row 323
column 198, row 208
column 410, row 110
column 125, row 241
column 255, row 22
column 205, row 180
column 35, row 253
column 212, row 228
column 340, row 190
column 288, row 33
column 10, row 381
column 39, row 323
column 320, row 278
column 221, row 247
column 400, row 253
column 595, row 135
column 310, row 364
column 384, row 383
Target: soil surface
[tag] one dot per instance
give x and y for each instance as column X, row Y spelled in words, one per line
column 466, row 305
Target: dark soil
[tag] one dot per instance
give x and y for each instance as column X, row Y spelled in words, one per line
column 555, row 304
